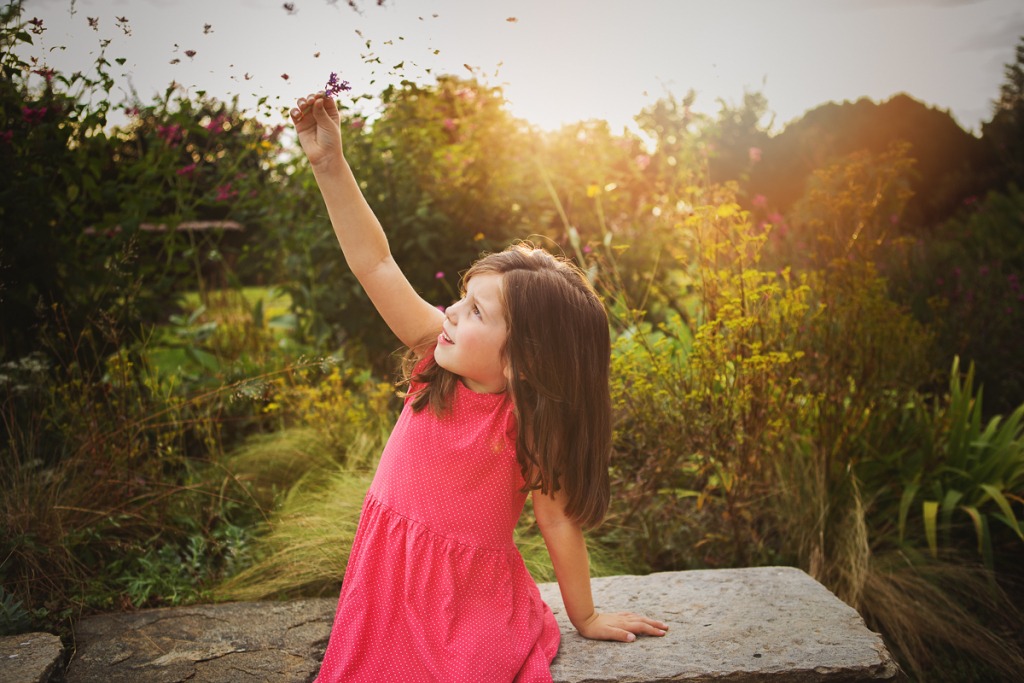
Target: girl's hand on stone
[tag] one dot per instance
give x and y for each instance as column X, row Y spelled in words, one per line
column 622, row 626
column 318, row 125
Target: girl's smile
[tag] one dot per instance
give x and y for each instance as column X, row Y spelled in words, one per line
column 473, row 335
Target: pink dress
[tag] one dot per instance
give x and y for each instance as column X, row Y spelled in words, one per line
column 435, row 588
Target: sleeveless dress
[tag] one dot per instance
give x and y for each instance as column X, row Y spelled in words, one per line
column 435, row 588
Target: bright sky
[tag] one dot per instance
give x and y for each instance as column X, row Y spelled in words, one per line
column 560, row 61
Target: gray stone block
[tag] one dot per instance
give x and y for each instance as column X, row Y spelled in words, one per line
column 752, row 624
column 29, row 658
column 735, row 625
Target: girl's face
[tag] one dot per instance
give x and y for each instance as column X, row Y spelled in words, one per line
column 473, row 334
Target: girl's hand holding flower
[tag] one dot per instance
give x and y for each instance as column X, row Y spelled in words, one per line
column 318, row 125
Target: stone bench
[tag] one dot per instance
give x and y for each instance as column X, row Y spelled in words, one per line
column 736, row 625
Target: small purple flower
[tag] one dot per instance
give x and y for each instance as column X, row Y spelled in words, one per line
column 335, row 86
column 439, row 275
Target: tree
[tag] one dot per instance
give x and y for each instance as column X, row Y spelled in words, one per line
column 1005, row 132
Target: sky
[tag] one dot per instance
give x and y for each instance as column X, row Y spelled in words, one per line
column 558, row 61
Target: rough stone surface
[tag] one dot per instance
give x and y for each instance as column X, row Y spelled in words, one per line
column 253, row 641
column 733, row 625
column 29, row 658
column 755, row 624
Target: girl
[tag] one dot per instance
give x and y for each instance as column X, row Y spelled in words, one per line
column 508, row 393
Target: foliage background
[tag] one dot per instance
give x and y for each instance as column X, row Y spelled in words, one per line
column 805, row 325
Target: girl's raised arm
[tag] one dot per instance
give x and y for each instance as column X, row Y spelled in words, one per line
column 568, row 549
column 362, row 239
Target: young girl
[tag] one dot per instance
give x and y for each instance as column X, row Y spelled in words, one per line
column 508, row 394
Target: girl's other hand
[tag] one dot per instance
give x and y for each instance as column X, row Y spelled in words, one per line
column 622, row 626
column 318, row 125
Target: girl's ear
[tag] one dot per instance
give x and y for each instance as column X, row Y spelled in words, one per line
column 507, row 370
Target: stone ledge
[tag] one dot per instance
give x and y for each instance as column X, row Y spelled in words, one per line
column 735, row 625
column 29, row 658
column 754, row 624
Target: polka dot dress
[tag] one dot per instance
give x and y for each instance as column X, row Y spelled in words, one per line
column 435, row 588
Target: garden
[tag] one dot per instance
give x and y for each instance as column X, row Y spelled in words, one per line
column 194, row 390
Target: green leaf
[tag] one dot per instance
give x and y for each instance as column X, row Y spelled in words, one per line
column 1004, row 505
column 981, row 531
column 906, row 500
column 949, row 505
column 930, row 510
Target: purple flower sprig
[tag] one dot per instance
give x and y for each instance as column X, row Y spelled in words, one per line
column 335, row 86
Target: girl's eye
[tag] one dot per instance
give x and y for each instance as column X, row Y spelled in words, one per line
column 476, row 311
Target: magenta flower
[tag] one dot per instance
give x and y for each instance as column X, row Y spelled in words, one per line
column 449, row 124
column 274, row 133
column 335, row 86
column 439, row 275
column 48, row 74
column 37, row 26
column 171, row 134
column 216, row 124
column 357, row 124
column 225, row 193
column 6, row 136
column 186, row 170
column 33, row 116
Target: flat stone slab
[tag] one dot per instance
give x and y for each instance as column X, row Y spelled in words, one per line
column 29, row 658
column 734, row 625
column 244, row 641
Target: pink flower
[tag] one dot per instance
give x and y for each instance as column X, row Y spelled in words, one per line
column 216, row 124
column 224, row 193
column 449, row 124
column 33, row 116
column 171, row 134
column 274, row 133
column 439, row 275
column 45, row 73
column 759, row 201
column 642, row 161
column 755, row 154
column 186, row 170
column 358, row 124
column 6, row 136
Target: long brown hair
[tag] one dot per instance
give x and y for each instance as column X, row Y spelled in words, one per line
column 557, row 352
